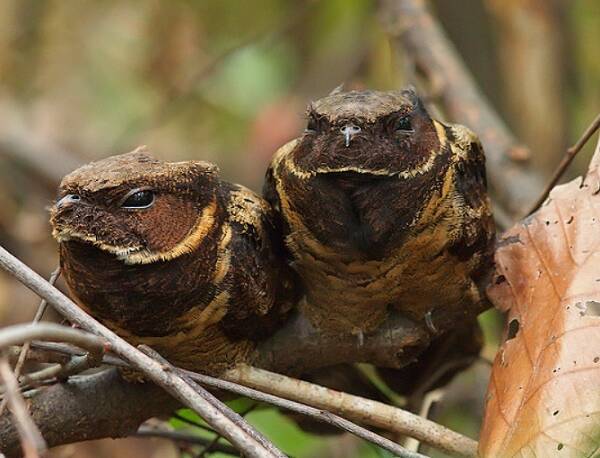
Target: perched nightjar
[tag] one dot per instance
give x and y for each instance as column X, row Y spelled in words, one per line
column 383, row 208
column 169, row 255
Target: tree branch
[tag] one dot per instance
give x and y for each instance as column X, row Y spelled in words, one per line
column 192, row 439
column 298, row 347
column 88, row 407
column 20, row 333
column 359, row 409
column 32, row 441
column 25, row 348
column 401, row 420
column 190, row 396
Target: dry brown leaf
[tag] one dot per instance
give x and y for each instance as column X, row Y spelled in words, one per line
column 544, row 392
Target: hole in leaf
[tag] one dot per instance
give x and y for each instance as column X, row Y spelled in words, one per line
column 513, row 329
column 500, row 279
column 589, row 308
column 593, row 308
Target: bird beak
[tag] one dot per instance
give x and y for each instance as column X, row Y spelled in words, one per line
column 69, row 199
column 349, row 131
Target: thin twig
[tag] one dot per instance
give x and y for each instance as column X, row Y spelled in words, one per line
column 178, row 436
column 193, row 423
column 427, row 403
column 25, row 348
column 38, row 316
column 36, row 355
column 171, row 382
column 356, row 408
column 281, row 402
column 75, row 365
column 297, row 405
column 32, row 442
column 566, row 161
column 212, row 444
column 20, row 333
column 217, row 403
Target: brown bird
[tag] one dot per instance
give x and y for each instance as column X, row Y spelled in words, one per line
column 383, row 208
column 171, row 256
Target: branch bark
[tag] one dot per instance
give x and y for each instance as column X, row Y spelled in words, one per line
column 298, row 347
column 88, row 407
column 32, row 441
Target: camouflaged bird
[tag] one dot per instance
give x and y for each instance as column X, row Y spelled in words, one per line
column 383, row 207
column 169, row 255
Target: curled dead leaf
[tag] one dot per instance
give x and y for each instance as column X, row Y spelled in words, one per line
column 544, row 393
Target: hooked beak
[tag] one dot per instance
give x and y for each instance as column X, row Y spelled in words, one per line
column 349, row 131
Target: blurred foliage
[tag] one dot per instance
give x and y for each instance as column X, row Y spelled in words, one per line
column 228, row 81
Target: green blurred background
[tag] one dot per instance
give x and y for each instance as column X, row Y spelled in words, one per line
column 228, row 81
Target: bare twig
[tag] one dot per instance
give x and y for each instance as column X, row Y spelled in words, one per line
column 19, row 333
column 152, row 369
column 38, row 316
column 281, row 402
column 36, row 355
column 75, row 365
column 215, row 441
column 359, row 409
column 178, row 436
column 295, row 404
column 193, row 423
column 25, row 348
column 417, row 32
column 226, row 411
column 32, row 442
column 566, row 161
column 427, row 403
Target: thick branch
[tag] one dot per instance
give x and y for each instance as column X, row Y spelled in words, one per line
column 299, row 347
column 88, row 407
column 32, row 441
column 417, row 32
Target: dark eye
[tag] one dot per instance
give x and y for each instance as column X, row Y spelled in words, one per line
column 403, row 125
column 139, row 199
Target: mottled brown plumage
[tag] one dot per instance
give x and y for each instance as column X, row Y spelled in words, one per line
column 383, row 208
column 169, row 255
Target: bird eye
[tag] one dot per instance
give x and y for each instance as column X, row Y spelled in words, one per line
column 403, row 125
column 139, row 199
